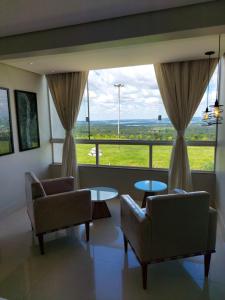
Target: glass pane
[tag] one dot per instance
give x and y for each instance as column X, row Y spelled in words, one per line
column 195, row 130
column 86, row 154
column 57, row 152
column 125, row 103
column 103, row 105
column 161, row 156
column 201, row 158
column 6, row 143
column 130, row 97
column 81, row 130
column 124, row 155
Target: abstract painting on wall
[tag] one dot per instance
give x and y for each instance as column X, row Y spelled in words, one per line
column 27, row 120
column 6, row 137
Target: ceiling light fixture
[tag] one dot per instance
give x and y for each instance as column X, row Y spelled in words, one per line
column 213, row 113
column 207, row 113
column 217, row 108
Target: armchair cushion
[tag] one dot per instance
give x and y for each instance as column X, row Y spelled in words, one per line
column 58, row 185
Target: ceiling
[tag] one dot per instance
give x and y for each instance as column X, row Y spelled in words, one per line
column 145, row 53
column 22, row 16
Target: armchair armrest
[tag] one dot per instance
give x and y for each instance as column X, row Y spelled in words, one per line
column 129, row 206
column 212, row 228
column 58, row 185
column 136, row 226
column 62, row 210
column 179, row 191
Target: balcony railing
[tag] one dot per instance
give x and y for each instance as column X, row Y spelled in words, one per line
column 141, row 153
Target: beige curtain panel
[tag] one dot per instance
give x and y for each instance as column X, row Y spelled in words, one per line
column 67, row 91
column 182, row 86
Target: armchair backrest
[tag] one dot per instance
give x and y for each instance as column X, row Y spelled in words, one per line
column 179, row 223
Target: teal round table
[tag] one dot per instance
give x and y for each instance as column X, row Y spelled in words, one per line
column 150, row 187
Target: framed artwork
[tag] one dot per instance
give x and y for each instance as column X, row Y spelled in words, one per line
column 27, row 120
column 6, row 137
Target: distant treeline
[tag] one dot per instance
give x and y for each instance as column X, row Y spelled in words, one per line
column 157, row 132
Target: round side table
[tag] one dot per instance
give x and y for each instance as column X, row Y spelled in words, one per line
column 99, row 196
column 150, row 187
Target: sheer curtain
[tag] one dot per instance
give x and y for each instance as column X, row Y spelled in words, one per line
column 182, row 85
column 67, row 91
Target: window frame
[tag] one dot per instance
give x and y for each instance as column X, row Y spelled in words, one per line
column 98, row 142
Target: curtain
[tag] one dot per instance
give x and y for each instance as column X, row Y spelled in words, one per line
column 182, row 85
column 67, row 91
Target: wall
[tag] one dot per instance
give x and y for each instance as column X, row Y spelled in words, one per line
column 123, row 178
column 220, row 157
column 13, row 166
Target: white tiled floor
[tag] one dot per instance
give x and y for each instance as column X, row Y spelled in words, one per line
column 73, row 269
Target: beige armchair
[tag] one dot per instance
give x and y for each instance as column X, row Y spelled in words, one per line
column 53, row 204
column 170, row 227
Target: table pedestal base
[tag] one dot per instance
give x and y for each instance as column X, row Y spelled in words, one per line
column 100, row 210
column 143, row 205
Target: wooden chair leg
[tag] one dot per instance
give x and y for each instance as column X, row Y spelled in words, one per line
column 125, row 243
column 41, row 243
column 207, row 259
column 144, row 268
column 87, row 229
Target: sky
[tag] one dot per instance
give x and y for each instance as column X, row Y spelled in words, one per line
column 4, row 114
column 140, row 96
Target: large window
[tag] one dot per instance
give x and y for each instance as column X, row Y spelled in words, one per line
column 124, row 104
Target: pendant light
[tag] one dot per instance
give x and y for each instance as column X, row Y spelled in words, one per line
column 207, row 113
column 213, row 113
column 217, row 108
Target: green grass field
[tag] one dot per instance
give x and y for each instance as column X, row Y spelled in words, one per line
column 4, row 147
column 201, row 158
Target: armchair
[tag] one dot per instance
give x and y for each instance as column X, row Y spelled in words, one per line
column 53, row 204
column 170, row 227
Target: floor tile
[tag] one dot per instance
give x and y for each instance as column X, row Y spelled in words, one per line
column 98, row 270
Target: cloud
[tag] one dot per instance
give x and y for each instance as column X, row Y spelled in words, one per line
column 140, row 96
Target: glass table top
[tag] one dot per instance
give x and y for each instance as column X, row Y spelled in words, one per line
column 151, row 186
column 102, row 193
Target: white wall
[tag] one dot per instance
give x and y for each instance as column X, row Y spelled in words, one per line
column 220, row 157
column 13, row 166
